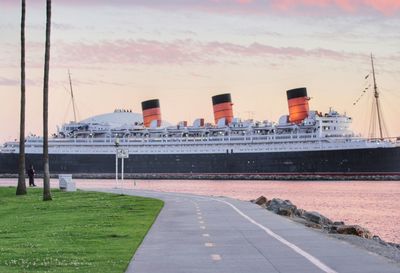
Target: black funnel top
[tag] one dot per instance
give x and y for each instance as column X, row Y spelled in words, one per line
column 296, row 93
column 221, row 98
column 150, row 104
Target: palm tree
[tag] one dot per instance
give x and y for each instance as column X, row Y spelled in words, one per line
column 46, row 177
column 21, row 188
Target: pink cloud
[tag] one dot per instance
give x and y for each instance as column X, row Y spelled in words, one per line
column 179, row 52
column 386, row 7
column 14, row 82
column 8, row 82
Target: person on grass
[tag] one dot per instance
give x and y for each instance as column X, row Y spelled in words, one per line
column 31, row 175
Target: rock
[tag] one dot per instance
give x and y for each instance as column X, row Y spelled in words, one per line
column 379, row 240
column 339, row 223
column 317, row 218
column 262, row 200
column 299, row 212
column 333, row 228
column 281, row 207
column 313, row 225
column 354, row 230
column 394, row 245
column 285, row 212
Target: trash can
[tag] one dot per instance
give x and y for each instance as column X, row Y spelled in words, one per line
column 66, row 183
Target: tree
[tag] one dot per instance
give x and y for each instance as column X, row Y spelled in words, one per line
column 21, row 188
column 46, row 169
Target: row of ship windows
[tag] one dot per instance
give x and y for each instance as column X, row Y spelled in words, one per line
column 326, row 128
column 191, row 146
column 334, row 121
column 200, row 146
column 189, row 139
column 210, row 150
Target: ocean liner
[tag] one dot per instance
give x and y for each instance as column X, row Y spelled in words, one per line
column 302, row 145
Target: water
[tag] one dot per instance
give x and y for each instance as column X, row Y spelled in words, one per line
column 370, row 204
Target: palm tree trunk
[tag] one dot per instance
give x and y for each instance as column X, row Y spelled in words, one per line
column 21, row 188
column 46, row 177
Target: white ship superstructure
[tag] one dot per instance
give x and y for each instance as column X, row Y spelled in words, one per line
column 99, row 135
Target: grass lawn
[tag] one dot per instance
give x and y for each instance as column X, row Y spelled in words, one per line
column 76, row 232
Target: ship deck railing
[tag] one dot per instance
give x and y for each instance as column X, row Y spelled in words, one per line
column 139, row 145
column 209, row 139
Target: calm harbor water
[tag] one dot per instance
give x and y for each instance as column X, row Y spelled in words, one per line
column 369, row 204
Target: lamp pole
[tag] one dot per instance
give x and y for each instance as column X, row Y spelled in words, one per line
column 122, row 170
column 116, row 144
column 122, row 174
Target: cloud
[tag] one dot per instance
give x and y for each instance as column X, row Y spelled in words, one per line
column 386, row 7
column 63, row 26
column 179, row 52
column 8, row 82
column 14, row 82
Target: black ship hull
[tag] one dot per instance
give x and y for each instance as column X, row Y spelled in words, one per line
column 377, row 163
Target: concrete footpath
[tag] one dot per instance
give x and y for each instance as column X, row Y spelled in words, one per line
column 204, row 234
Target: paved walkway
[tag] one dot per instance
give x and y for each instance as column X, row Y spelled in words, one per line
column 200, row 234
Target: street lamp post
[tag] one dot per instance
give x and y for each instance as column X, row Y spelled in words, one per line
column 122, row 170
column 116, row 145
column 120, row 153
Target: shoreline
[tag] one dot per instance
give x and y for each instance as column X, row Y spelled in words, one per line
column 353, row 234
column 247, row 177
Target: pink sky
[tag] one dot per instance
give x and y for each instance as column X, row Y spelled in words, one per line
column 388, row 7
column 183, row 52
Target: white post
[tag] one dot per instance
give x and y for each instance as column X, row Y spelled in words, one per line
column 122, row 176
column 116, row 168
column 122, row 172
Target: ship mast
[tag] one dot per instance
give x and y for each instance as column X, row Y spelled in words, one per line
column 72, row 95
column 376, row 95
